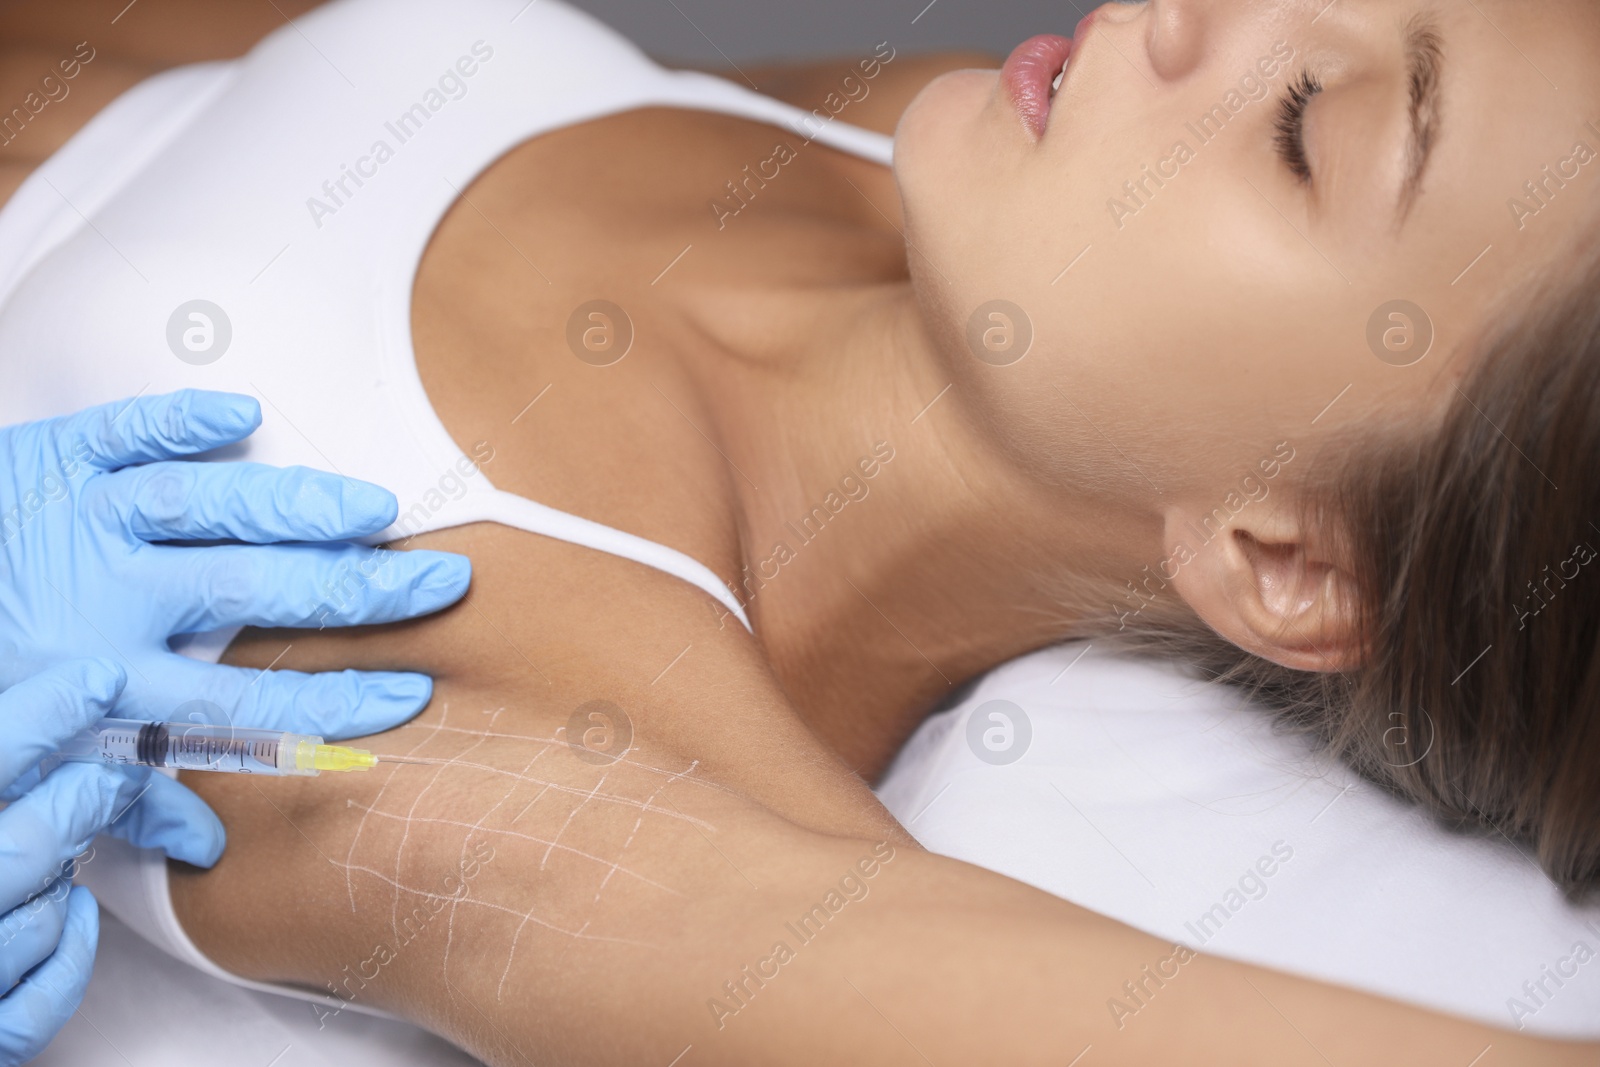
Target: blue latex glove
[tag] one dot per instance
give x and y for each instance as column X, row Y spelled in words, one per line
column 48, row 929
column 85, row 504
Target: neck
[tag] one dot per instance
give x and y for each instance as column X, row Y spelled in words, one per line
column 891, row 552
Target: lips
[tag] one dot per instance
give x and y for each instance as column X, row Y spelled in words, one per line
column 1036, row 68
column 1029, row 76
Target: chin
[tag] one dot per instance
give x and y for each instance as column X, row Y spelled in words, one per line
column 943, row 123
column 942, row 146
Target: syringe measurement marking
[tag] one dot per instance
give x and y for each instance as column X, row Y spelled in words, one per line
column 211, row 751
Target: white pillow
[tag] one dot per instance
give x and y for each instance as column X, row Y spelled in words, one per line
column 1172, row 804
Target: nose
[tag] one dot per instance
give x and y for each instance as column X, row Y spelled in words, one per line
column 1177, row 31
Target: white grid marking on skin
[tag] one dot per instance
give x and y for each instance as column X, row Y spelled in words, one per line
column 461, row 861
column 573, row 814
column 441, row 728
column 536, row 797
column 350, row 853
column 402, row 887
column 623, row 851
column 611, row 867
column 578, row 791
column 511, row 953
column 524, row 918
column 405, row 834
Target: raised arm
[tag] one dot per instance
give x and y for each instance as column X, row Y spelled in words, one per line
column 725, row 891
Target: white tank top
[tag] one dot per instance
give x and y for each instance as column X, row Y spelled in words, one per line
column 256, row 226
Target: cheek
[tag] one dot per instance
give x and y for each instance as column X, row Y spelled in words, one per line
column 1169, row 329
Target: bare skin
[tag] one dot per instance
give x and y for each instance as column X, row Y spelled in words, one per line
column 583, row 911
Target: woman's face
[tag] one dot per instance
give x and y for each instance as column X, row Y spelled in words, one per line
column 1205, row 264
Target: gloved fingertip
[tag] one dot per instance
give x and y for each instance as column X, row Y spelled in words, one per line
column 406, row 688
column 205, row 849
column 367, row 508
column 444, row 580
column 75, row 952
column 228, row 416
column 102, row 680
column 83, row 919
column 79, row 896
column 390, row 698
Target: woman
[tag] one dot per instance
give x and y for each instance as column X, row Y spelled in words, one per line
column 1051, row 343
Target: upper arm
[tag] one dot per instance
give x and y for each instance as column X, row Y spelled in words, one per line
column 618, row 908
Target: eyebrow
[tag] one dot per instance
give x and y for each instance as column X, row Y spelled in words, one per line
column 1424, row 62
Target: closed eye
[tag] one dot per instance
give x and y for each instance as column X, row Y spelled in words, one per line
column 1289, row 127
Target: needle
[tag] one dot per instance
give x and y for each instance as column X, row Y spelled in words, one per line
column 413, row 759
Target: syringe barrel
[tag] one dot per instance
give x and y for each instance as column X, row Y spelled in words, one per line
column 192, row 746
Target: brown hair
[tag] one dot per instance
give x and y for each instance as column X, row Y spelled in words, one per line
column 1474, row 550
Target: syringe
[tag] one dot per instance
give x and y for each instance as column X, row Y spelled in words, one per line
column 199, row 747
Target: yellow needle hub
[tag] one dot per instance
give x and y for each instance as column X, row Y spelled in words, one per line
column 340, row 758
column 312, row 757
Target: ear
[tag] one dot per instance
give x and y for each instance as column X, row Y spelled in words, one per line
column 1266, row 584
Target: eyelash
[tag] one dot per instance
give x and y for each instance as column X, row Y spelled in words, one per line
column 1290, row 125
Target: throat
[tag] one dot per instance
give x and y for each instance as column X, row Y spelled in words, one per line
column 868, row 637
column 886, row 553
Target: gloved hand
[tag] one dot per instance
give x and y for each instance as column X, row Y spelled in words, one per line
column 87, row 504
column 48, row 929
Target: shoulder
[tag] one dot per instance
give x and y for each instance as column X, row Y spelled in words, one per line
column 871, row 90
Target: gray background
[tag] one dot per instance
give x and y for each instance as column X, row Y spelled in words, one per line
column 693, row 31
